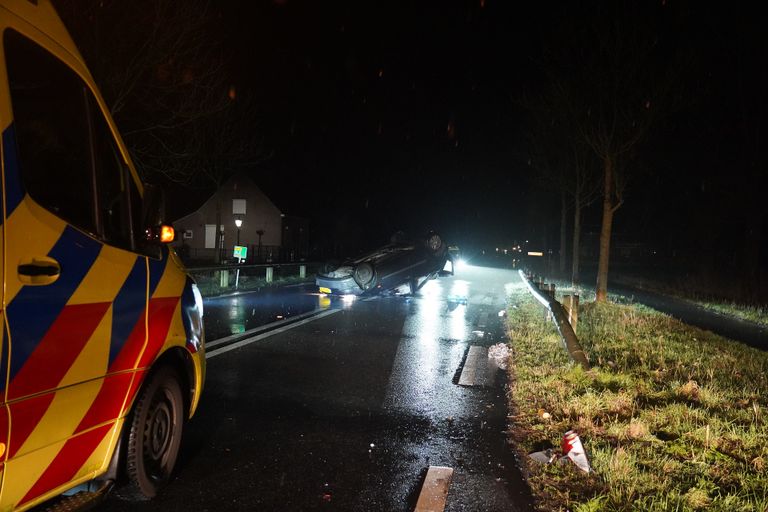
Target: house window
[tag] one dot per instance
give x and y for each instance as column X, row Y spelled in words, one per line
column 238, row 207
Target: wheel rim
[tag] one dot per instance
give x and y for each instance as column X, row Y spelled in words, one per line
column 158, row 436
column 364, row 275
column 435, row 242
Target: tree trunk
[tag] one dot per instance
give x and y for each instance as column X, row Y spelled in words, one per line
column 576, row 240
column 601, row 293
column 563, row 230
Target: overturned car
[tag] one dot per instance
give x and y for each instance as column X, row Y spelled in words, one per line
column 403, row 264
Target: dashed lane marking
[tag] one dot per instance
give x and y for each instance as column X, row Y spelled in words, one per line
column 475, row 371
column 434, row 491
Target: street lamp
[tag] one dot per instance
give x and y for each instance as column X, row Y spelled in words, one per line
column 238, row 223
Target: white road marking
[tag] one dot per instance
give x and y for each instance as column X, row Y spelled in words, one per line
column 475, row 368
column 434, row 492
column 262, row 336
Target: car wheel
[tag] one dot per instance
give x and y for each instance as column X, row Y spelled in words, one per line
column 154, row 436
column 329, row 267
column 434, row 243
column 365, row 276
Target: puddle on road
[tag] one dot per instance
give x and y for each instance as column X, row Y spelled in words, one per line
column 233, row 315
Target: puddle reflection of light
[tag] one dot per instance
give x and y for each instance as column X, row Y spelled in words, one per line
column 458, row 323
column 460, row 288
column 236, row 311
column 323, row 301
column 427, row 322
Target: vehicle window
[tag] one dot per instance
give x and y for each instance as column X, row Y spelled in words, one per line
column 66, row 147
column 51, row 120
column 118, row 199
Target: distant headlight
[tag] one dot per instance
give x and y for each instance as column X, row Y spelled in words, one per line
column 461, row 264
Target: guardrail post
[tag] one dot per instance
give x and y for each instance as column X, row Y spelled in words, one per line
column 571, row 303
column 270, row 274
column 302, row 271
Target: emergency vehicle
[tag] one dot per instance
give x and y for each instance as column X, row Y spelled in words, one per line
column 101, row 353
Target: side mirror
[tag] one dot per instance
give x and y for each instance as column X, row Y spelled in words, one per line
column 153, row 214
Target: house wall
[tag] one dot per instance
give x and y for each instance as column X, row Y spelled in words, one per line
column 260, row 214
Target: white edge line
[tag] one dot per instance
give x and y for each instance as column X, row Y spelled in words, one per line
column 262, row 328
column 248, row 341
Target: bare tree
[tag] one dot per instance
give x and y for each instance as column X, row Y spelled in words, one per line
column 161, row 70
column 585, row 189
column 226, row 142
column 563, row 163
column 614, row 94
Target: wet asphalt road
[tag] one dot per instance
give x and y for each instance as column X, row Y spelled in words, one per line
column 347, row 411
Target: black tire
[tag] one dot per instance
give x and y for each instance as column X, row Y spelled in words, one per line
column 435, row 244
column 329, row 267
column 365, row 276
column 154, row 437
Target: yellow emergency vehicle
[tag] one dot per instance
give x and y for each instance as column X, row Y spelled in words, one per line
column 101, row 352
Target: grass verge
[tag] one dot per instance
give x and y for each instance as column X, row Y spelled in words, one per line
column 673, row 418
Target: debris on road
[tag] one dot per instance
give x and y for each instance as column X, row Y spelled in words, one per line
column 574, row 450
column 545, row 457
column 499, row 354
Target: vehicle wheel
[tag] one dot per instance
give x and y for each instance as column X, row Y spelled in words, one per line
column 154, row 436
column 329, row 267
column 365, row 276
column 435, row 243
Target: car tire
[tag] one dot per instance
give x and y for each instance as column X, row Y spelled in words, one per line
column 435, row 243
column 364, row 275
column 329, row 267
column 154, row 435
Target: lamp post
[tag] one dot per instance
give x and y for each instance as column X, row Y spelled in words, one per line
column 238, row 223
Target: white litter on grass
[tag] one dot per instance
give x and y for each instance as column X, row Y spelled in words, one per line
column 499, row 353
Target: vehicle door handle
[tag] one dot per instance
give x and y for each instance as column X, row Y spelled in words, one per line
column 39, row 271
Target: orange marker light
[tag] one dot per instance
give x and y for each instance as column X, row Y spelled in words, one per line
column 167, row 234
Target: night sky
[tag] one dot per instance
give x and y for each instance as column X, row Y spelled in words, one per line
column 381, row 116
column 405, row 114
column 397, row 114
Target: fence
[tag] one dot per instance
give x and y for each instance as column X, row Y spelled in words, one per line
column 193, row 256
column 230, row 278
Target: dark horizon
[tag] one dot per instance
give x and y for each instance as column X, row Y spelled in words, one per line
column 387, row 116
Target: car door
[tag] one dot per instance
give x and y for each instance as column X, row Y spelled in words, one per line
column 3, row 328
column 76, row 290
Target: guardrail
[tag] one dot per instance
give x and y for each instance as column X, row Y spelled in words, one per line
column 561, row 320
